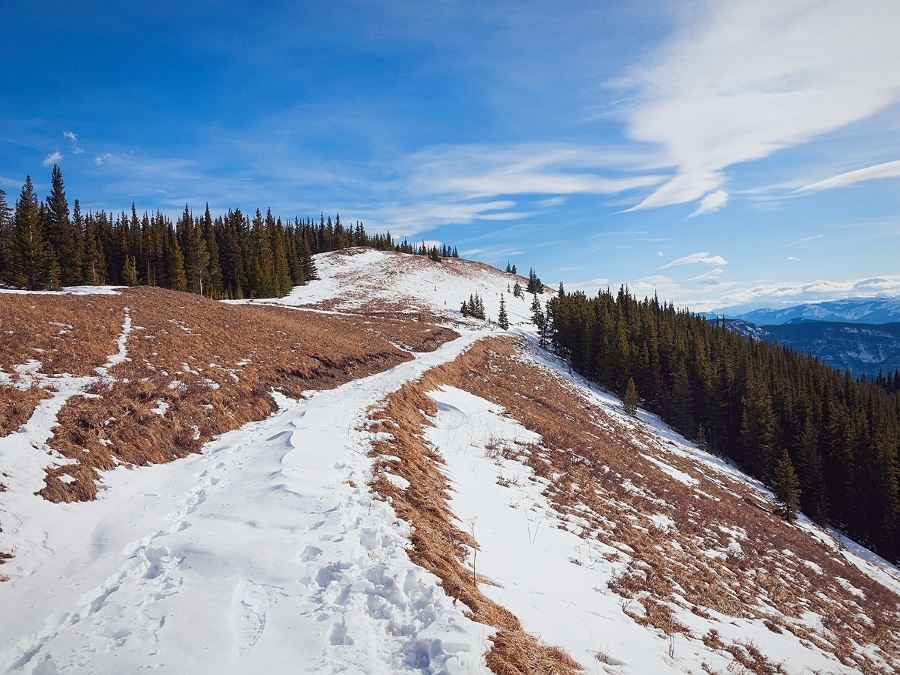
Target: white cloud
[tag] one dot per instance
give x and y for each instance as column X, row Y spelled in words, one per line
column 742, row 80
column 712, row 294
column 787, row 293
column 406, row 220
column 792, row 258
column 701, row 257
column 708, row 277
column 804, row 241
column 54, row 157
column 884, row 170
column 711, row 202
column 479, row 171
column 550, row 201
column 73, row 139
column 660, row 254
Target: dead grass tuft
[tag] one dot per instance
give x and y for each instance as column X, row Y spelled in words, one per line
column 16, row 406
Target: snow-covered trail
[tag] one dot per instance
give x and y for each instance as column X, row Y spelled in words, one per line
column 265, row 551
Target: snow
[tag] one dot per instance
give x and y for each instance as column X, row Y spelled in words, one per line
column 69, row 290
column 268, row 550
column 416, row 282
column 122, row 349
column 257, row 552
column 553, row 580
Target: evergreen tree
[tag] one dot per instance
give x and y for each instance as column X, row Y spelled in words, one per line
column 6, row 231
column 517, row 290
column 757, row 429
column 177, row 280
column 262, row 262
column 32, row 261
column 93, row 263
column 61, row 236
column 281, row 271
column 214, row 271
column 129, row 272
column 539, row 319
column 196, row 256
column 307, row 263
column 465, row 308
column 630, row 400
column 786, row 487
column 502, row 318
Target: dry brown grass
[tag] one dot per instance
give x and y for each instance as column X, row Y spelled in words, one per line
column 16, row 406
column 212, row 365
column 66, row 333
column 617, row 488
column 437, row 544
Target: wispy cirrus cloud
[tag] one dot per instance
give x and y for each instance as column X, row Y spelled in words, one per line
column 883, row 170
column 708, row 277
column 73, row 139
column 702, row 257
column 743, row 80
column 804, row 242
column 479, row 170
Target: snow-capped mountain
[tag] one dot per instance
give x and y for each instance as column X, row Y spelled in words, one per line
column 356, row 478
column 851, row 310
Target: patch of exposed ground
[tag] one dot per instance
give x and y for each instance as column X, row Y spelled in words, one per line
column 194, row 368
column 725, row 555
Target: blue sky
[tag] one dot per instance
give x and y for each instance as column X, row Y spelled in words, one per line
column 743, row 153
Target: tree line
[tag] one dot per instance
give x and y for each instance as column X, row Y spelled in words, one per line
column 749, row 400
column 45, row 245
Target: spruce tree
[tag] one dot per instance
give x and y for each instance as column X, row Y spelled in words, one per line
column 786, row 487
column 93, row 262
column 214, row 270
column 177, row 280
column 129, row 272
column 33, row 263
column 281, row 271
column 6, row 229
column 262, row 262
column 196, row 256
column 757, row 429
column 539, row 319
column 517, row 290
column 502, row 318
column 307, row 263
column 61, row 236
column 630, row 399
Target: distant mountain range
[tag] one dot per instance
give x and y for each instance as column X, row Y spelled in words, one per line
column 858, row 347
column 861, row 335
column 851, row 310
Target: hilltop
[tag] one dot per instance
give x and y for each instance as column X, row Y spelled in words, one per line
column 357, row 478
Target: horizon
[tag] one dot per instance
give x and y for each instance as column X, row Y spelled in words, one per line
column 723, row 157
